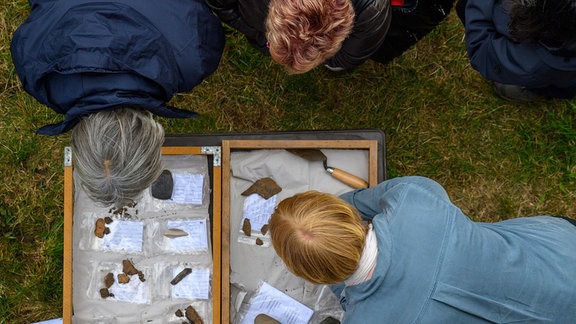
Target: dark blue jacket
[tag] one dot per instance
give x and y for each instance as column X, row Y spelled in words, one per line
column 545, row 70
column 83, row 56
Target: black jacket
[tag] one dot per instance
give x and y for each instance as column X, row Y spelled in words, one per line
column 371, row 23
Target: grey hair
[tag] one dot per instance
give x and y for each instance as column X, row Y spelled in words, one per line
column 117, row 154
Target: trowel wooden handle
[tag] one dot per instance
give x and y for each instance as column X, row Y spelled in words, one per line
column 347, row 178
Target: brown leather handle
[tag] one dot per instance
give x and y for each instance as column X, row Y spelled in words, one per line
column 347, row 178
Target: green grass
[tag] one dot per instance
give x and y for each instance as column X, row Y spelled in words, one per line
column 497, row 159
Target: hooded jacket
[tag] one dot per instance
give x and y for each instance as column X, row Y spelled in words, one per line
column 83, row 56
column 545, row 70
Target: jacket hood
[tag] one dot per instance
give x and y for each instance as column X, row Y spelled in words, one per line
column 167, row 50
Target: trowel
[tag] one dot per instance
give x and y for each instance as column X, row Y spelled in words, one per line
column 317, row 155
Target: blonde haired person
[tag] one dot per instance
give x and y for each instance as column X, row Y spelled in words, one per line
column 321, row 236
column 341, row 34
column 107, row 66
column 422, row 260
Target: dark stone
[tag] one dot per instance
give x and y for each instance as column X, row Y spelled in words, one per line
column 163, row 186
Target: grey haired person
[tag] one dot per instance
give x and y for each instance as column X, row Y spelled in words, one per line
column 108, row 67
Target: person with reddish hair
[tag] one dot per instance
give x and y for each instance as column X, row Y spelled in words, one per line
column 305, row 33
column 341, row 34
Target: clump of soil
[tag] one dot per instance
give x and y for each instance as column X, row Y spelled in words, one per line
column 123, row 211
column 123, row 278
column 109, row 280
column 105, row 293
column 264, row 229
column 191, row 315
column 129, row 269
column 101, row 229
column 247, row 227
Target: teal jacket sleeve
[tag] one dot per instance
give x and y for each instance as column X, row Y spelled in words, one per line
column 373, row 201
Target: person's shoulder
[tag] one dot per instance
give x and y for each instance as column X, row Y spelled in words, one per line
column 412, row 181
column 370, row 6
column 416, row 186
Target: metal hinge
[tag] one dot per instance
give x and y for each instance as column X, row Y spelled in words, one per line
column 215, row 151
column 67, row 156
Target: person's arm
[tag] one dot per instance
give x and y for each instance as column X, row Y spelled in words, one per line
column 373, row 201
column 491, row 50
column 368, row 33
column 228, row 12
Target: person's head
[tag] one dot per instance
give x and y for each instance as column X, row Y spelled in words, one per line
column 319, row 236
column 552, row 22
column 302, row 34
column 117, row 154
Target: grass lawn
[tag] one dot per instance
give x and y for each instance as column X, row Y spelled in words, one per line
column 497, row 159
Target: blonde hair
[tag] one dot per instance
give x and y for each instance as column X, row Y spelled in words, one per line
column 117, row 154
column 319, row 236
column 302, row 34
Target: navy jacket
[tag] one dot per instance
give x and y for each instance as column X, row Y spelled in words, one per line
column 545, row 70
column 83, row 56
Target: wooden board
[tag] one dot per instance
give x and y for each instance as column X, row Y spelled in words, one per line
column 220, row 210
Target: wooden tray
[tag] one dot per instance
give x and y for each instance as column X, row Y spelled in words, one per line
column 230, row 145
column 68, row 308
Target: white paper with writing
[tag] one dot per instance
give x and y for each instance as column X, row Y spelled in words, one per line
column 187, row 188
column 197, row 238
column 258, row 210
column 124, row 236
column 274, row 303
column 135, row 291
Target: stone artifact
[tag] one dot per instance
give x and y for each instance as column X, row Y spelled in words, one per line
column 265, row 187
column 246, row 227
column 181, row 276
column 163, row 186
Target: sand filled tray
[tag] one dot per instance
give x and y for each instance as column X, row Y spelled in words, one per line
column 257, row 175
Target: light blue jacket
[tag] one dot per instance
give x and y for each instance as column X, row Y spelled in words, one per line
column 435, row 265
